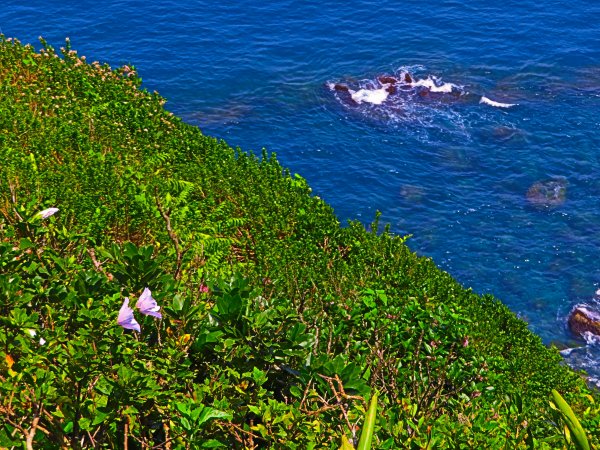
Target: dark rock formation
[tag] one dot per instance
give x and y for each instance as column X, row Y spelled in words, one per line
column 548, row 192
column 584, row 319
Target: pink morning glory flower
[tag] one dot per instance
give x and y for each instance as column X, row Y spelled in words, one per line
column 47, row 213
column 126, row 319
column 147, row 305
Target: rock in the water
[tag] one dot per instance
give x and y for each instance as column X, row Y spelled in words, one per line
column 583, row 320
column 509, row 134
column 548, row 192
column 412, row 193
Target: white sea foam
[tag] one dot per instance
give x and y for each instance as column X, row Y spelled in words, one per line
column 594, row 380
column 487, row 101
column 591, row 338
column 374, row 96
column 434, row 85
column 567, row 351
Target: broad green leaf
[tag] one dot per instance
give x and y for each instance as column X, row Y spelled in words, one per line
column 577, row 432
column 210, row 413
column 366, row 435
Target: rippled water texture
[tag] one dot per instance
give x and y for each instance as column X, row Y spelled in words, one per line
column 503, row 198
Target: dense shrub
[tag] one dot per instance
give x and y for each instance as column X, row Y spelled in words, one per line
column 277, row 324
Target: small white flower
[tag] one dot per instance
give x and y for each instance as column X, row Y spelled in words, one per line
column 33, row 333
column 47, row 213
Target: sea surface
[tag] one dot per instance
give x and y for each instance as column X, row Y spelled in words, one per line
column 489, row 156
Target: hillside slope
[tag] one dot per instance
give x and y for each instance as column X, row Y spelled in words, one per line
column 277, row 323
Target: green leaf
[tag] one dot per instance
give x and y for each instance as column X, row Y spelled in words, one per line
column 571, row 421
column 346, row 445
column 229, row 306
column 212, row 443
column 206, row 338
column 254, row 410
column 25, row 244
column 259, row 376
column 210, row 413
column 366, row 436
column 295, row 391
column 184, row 408
column 100, row 416
column 185, row 424
column 196, row 412
column 68, row 427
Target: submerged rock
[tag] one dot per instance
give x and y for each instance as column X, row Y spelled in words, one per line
column 412, row 193
column 505, row 133
column 584, row 320
column 547, row 193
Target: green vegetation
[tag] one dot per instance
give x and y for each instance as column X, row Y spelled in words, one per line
column 278, row 324
column 572, row 426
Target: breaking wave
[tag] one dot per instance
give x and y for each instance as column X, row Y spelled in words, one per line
column 418, row 103
column 487, row 101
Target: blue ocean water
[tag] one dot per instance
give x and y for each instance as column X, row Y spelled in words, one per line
column 457, row 174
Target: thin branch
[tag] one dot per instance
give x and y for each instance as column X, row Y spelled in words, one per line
column 13, row 197
column 17, row 426
column 126, row 434
column 31, row 434
column 167, row 440
column 174, row 238
column 98, row 264
column 236, row 428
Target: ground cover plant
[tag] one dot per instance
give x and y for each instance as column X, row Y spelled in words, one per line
column 161, row 289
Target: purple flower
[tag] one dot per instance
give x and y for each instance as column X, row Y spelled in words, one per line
column 126, row 319
column 147, row 305
column 47, row 213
